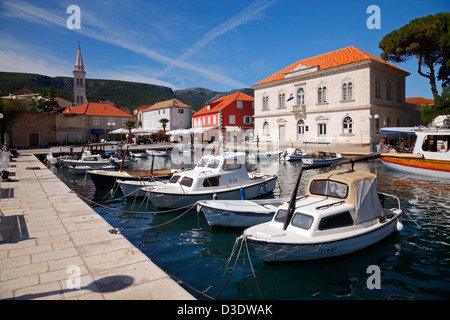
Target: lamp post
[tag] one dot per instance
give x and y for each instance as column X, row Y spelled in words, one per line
column 1, row 135
column 111, row 124
column 373, row 145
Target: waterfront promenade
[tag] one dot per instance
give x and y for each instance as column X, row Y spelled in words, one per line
column 54, row 246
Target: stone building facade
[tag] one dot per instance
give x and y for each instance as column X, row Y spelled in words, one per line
column 330, row 97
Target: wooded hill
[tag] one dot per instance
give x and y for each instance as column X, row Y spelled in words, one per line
column 124, row 93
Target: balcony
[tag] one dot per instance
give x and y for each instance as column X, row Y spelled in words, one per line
column 299, row 111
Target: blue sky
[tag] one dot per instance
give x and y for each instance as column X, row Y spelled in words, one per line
column 219, row 45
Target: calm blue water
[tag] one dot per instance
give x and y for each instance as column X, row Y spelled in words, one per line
column 414, row 264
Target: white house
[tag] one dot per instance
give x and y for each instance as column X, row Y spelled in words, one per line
column 330, row 98
column 178, row 113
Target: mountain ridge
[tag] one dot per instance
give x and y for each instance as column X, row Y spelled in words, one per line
column 124, row 93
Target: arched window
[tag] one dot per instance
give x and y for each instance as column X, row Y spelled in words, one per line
column 265, row 103
column 301, row 97
column 265, row 128
column 281, row 99
column 350, row 91
column 377, row 89
column 324, row 94
column 319, row 95
column 344, row 91
column 347, row 126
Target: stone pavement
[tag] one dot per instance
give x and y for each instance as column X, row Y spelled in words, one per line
column 54, row 246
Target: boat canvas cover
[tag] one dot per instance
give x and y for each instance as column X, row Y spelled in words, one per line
column 361, row 194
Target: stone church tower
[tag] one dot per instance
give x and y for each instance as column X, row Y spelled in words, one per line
column 79, row 81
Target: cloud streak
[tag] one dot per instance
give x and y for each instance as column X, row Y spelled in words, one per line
column 24, row 10
column 252, row 12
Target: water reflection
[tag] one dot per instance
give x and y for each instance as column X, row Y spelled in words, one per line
column 414, row 264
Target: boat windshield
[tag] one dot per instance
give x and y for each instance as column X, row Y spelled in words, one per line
column 202, row 162
column 174, row 179
column 302, row 221
column 281, row 215
column 329, row 188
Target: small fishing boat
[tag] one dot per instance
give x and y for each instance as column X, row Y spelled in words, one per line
column 292, row 154
column 139, row 154
column 56, row 154
column 269, row 155
column 430, row 153
column 132, row 188
column 220, row 177
column 82, row 170
column 238, row 213
column 322, row 156
column 107, row 179
column 94, row 160
column 340, row 213
column 158, row 153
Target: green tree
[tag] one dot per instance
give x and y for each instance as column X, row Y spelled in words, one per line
column 46, row 101
column 441, row 106
column 130, row 124
column 164, row 122
column 427, row 39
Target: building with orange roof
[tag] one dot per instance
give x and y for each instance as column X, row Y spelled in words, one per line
column 232, row 112
column 329, row 98
column 178, row 114
column 100, row 118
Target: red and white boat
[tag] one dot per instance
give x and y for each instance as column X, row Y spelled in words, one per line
column 431, row 152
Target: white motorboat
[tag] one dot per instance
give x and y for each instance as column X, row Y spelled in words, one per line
column 79, row 170
column 340, row 213
column 220, row 177
column 139, row 154
column 56, row 154
column 292, row 154
column 238, row 213
column 158, row 153
column 132, row 188
column 431, row 152
column 322, row 156
column 93, row 160
column 269, row 155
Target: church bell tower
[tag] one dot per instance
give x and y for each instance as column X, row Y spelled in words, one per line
column 79, row 81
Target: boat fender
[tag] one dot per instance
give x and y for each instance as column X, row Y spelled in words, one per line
column 214, row 196
column 261, row 190
column 398, row 226
column 242, row 191
column 265, row 187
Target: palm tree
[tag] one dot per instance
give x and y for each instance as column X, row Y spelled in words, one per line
column 164, row 122
column 130, row 124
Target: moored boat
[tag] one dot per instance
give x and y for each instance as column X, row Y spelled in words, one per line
column 430, row 155
column 322, row 156
column 221, row 177
column 238, row 213
column 132, row 188
column 340, row 213
column 292, row 154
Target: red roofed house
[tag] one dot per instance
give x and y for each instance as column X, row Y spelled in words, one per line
column 235, row 110
column 100, row 118
column 329, row 98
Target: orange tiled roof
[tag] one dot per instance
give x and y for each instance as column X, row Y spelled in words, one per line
column 419, row 101
column 328, row 60
column 97, row 109
column 223, row 102
column 166, row 104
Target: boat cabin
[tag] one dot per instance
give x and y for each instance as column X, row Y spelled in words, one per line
column 335, row 200
column 213, row 171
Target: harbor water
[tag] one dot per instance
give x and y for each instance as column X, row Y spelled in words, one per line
column 413, row 264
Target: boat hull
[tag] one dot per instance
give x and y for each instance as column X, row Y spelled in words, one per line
column 309, row 161
column 133, row 189
column 102, row 180
column 165, row 200
column 426, row 167
column 243, row 214
column 274, row 252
